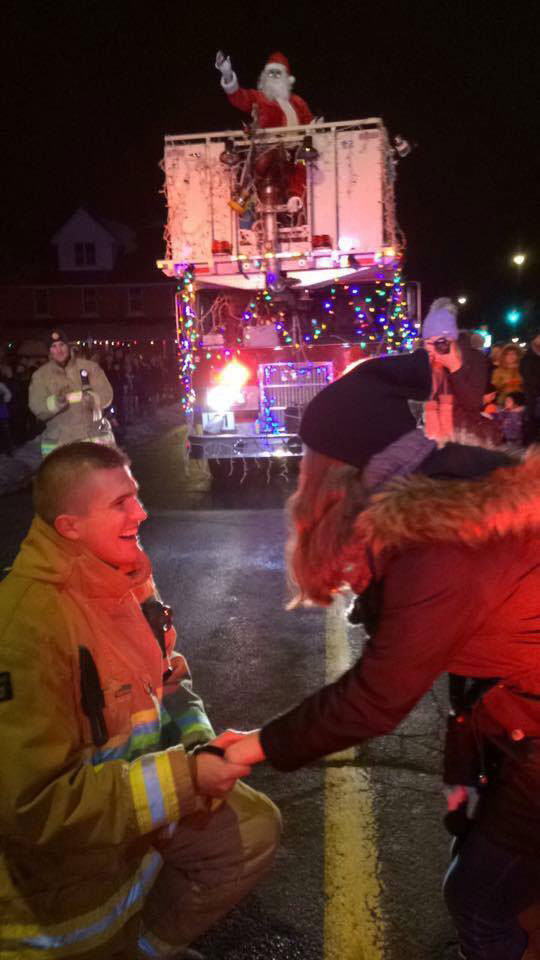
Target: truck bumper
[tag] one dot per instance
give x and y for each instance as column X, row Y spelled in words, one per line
column 240, row 447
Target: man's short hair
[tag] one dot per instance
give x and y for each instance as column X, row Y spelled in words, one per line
column 61, row 475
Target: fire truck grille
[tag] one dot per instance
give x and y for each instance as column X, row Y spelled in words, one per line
column 286, row 389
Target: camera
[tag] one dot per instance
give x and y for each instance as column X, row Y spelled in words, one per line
column 441, row 345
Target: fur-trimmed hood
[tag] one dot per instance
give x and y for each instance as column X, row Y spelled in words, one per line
column 420, row 509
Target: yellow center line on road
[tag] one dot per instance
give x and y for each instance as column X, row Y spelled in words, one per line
column 353, row 926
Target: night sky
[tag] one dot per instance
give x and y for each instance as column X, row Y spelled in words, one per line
column 92, row 87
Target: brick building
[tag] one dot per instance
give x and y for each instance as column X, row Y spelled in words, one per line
column 100, row 285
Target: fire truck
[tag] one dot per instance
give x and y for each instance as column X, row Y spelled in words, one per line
column 273, row 235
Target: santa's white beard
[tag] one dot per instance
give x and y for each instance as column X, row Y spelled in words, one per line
column 275, row 89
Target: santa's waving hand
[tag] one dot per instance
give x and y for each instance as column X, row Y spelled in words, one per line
column 223, row 64
column 277, row 106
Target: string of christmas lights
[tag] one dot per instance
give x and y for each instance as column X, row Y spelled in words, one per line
column 370, row 315
column 187, row 335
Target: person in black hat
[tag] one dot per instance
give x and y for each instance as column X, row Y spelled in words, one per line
column 384, row 511
column 69, row 393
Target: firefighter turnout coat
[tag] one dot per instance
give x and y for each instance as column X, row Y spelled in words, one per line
column 81, row 381
column 77, row 820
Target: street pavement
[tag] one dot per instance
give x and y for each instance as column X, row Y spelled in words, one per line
column 359, row 870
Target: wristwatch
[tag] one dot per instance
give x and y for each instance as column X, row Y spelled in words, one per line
column 207, row 748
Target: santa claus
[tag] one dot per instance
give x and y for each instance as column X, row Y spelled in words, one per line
column 275, row 105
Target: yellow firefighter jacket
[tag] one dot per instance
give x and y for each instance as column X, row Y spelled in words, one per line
column 77, row 820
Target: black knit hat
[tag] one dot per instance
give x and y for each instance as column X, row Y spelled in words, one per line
column 57, row 336
column 366, row 410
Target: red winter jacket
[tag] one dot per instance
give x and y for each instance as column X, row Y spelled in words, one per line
column 460, row 567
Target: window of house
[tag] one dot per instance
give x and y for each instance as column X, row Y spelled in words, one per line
column 135, row 300
column 89, row 300
column 41, row 302
column 85, row 254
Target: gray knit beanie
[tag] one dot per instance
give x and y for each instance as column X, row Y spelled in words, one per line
column 441, row 320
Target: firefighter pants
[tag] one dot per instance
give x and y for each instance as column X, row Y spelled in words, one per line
column 208, row 867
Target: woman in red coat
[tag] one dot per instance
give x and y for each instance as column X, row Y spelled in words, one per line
column 381, row 509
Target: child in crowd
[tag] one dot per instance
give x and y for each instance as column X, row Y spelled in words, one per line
column 510, row 418
column 506, row 378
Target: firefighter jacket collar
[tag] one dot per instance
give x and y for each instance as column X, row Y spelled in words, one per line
column 51, row 558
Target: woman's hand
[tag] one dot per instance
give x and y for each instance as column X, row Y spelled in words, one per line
column 245, row 749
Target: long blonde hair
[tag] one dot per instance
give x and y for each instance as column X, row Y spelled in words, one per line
column 321, row 554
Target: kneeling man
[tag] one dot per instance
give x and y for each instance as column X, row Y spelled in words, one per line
column 123, row 829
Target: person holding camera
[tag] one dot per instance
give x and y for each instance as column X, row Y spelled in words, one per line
column 123, row 831
column 460, row 377
column 69, row 394
column 442, row 543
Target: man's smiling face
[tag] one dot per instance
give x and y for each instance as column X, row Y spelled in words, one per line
column 108, row 516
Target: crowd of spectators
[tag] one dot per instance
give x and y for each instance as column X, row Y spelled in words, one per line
column 140, row 383
column 513, row 393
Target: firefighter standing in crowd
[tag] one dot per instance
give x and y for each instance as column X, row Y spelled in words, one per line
column 443, row 545
column 111, row 844
column 70, row 393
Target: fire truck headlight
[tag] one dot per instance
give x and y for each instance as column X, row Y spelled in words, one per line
column 234, row 376
column 221, row 399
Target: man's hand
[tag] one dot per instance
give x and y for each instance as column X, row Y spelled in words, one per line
column 61, row 398
column 246, row 748
column 216, row 776
column 223, row 64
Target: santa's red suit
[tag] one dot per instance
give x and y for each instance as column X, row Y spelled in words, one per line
column 272, row 113
column 290, row 111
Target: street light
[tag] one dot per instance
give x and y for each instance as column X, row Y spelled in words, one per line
column 519, row 259
column 462, row 300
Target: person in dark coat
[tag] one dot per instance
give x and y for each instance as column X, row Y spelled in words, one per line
column 18, row 405
column 114, row 370
column 6, row 440
column 381, row 509
column 530, row 371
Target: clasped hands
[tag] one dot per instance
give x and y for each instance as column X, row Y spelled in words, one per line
column 216, row 776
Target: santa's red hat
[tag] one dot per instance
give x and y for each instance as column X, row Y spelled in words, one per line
column 279, row 58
